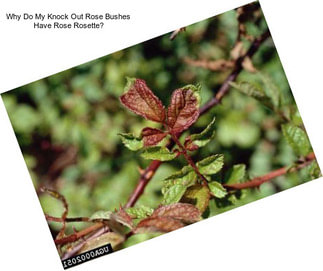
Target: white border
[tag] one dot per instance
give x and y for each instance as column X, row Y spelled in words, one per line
column 281, row 232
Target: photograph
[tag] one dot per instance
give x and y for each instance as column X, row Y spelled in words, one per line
column 161, row 135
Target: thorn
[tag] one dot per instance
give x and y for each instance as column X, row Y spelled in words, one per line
column 149, row 174
column 74, row 229
column 141, row 171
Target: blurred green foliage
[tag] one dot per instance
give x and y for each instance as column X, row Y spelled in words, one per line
column 67, row 124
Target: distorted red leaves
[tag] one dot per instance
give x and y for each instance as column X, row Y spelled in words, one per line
column 141, row 100
column 158, row 224
column 185, row 212
column 152, row 136
column 183, row 110
column 169, row 217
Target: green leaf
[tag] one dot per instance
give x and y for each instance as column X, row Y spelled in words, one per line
column 186, row 176
column 197, row 195
column 217, row 189
column 270, row 95
column 271, row 90
column 297, row 139
column 139, row 211
column 211, row 165
column 158, row 153
column 313, row 170
column 131, row 142
column 101, row 215
column 236, row 174
column 249, row 89
column 252, row 91
column 202, row 138
column 174, row 194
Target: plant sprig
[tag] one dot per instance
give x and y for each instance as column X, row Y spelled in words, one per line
column 182, row 112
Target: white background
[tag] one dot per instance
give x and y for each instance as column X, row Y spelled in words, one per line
column 281, row 232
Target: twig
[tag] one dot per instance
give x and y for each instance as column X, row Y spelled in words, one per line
column 74, row 219
column 256, row 182
column 149, row 172
column 77, row 247
column 145, row 177
column 75, row 236
column 60, row 197
column 212, row 65
column 234, row 74
column 189, row 159
column 176, row 32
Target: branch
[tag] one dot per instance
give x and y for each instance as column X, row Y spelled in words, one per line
column 176, row 32
column 77, row 247
column 145, row 177
column 149, row 172
column 189, row 159
column 234, row 74
column 256, row 182
column 74, row 219
column 212, row 65
column 60, row 197
column 75, row 236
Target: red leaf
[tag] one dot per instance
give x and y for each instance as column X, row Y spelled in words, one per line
column 141, row 100
column 158, row 224
column 183, row 110
column 182, row 211
column 189, row 145
column 152, row 136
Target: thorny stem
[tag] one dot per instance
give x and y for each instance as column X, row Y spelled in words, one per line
column 146, row 176
column 75, row 236
column 149, row 172
column 73, row 219
column 256, row 182
column 60, row 197
column 189, row 159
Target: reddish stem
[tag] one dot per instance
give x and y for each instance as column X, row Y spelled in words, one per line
column 60, row 197
column 271, row 175
column 143, row 181
column 189, row 159
column 75, row 236
column 73, row 219
column 74, row 250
